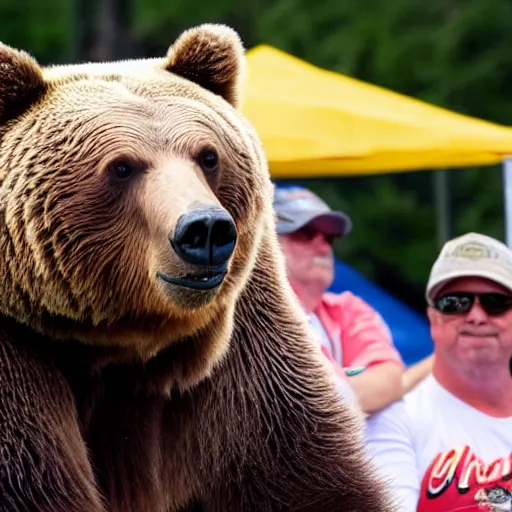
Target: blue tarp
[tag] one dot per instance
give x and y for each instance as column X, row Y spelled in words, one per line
column 411, row 334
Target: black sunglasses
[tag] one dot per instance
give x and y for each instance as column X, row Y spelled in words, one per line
column 309, row 232
column 493, row 304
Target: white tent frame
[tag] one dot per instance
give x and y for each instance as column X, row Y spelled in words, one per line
column 507, row 190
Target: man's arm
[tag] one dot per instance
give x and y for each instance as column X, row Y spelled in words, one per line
column 378, row 386
column 367, row 342
column 416, row 373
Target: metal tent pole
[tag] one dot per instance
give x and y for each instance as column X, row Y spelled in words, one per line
column 442, row 202
column 507, row 189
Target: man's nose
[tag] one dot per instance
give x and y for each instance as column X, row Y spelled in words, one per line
column 322, row 243
column 477, row 315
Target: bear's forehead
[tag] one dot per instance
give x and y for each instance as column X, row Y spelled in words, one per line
column 144, row 69
column 132, row 93
column 134, row 102
column 144, row 129
column 126, row 82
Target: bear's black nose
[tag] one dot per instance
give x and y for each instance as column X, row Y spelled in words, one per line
column 205, row 237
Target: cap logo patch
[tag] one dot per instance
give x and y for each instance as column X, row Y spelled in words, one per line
column 473, row 250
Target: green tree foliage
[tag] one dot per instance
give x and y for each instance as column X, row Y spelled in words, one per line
column 41, row 27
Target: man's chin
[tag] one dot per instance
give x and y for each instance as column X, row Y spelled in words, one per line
column 319, row 284
column 478, row 349
column 322, row 277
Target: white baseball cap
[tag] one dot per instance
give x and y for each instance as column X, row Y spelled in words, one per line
column 470, row 255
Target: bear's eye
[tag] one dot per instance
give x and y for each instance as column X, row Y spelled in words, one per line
column 208, row 160
column 121, row 169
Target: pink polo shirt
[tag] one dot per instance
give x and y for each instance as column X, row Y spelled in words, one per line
column 357, row 334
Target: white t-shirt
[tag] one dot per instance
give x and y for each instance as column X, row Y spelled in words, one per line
column 441, row 454
column 323, row 339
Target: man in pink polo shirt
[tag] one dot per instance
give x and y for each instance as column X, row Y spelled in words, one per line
column 352, row 334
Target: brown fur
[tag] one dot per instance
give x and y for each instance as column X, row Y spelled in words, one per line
column 119, row 393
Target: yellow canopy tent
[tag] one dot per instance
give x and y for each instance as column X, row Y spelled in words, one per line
column 314, row 122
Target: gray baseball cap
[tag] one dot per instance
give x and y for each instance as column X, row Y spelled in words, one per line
column 295, row 207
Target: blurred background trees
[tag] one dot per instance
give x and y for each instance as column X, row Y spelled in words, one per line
column 453, row 53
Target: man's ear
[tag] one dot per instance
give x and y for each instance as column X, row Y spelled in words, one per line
column 430, row 313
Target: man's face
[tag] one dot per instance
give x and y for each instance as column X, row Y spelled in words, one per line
column 309, row 258
column 475, row 337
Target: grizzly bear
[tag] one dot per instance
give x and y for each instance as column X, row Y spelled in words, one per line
column 152, row 356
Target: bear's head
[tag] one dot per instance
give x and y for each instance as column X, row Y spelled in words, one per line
column 133, row 195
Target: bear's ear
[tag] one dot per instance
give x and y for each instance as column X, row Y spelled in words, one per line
column 213, row 57
column 21, row 82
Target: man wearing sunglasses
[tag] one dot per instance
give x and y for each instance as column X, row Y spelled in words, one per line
column 351, row 333
column 452, row 442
